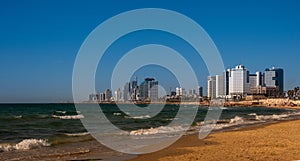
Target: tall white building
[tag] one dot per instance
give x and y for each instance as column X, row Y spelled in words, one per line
column 180, row 91
column 258, row 79
column 220, row 86
column 211, row 87
column 239, row 81
column 118, row 95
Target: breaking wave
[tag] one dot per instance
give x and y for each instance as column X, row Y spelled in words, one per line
column 270, row 117
column 62, row 112
column 138, row 117
column 237, row 120
column 117, row 114
column 26, row 144
column 68, row 117
column 158, row 130
column 78, row 134
column 18, row 117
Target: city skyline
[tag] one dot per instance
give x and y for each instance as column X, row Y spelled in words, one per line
column 238, row 82
column 147, row 90
column 40, row 40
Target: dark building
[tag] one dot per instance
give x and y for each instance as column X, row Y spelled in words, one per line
column 149, row 90
column 200, row 91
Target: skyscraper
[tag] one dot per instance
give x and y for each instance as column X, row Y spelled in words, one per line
column 274, row 77
column 180, row 91
column 200, row 91
column 220, row 86
column 126, row 92
column 108, row 95
column 118, row 95
column 211, row 87
column 149, row 89
column 239, row 81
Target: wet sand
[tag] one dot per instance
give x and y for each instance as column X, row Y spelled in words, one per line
column 279, row 141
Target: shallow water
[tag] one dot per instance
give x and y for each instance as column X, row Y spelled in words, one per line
column 29, row 126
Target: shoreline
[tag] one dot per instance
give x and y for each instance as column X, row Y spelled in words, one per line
column 269, row 102
column 92, row 150
column 241, row 140
column 272, row 141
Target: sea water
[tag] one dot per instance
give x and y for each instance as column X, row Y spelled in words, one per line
column 28, row 126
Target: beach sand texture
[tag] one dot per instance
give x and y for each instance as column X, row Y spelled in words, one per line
column 280, row 141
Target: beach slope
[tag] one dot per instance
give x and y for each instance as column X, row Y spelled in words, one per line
column 280, row 141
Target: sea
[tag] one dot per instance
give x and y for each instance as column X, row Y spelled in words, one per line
column 31, row 126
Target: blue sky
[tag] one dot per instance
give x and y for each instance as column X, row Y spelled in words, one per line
column 39, row 41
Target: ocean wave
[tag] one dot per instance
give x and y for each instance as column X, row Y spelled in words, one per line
column 158, row 130
column 62, row 112
column 270, row 117
column 117, row 114
column 26, row 144
column 68, row 117
column 237, row 120
column 77, row 134
column 18, row 117
column 138, row 117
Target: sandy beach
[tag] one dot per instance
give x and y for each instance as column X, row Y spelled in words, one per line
column 279, row 141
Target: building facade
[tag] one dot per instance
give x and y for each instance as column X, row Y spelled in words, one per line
column 211, row 87
column 149, row 90
column 220, row 86
column 239, row 81
column 274, row 77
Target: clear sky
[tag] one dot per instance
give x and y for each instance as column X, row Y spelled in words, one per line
column 39, row 40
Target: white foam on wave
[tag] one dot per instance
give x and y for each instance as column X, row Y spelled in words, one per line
column 269, row 117
column 117, row 114
column 68, row 117
column 237, row 120
column 26, row 144
column 18, row 117
column 139, row 117
column 62, row 112
column 158, row 130
column 77, row 134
